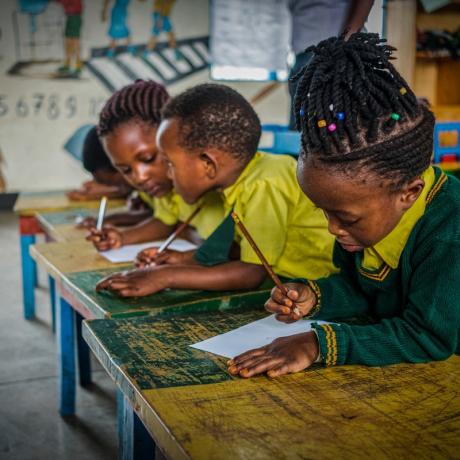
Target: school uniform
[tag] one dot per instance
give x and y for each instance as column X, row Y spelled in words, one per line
column 409, row 283
column 172, row 209
column 291, row 233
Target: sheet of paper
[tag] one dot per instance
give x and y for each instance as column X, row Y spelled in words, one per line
column 128, row 253
column 252, row 335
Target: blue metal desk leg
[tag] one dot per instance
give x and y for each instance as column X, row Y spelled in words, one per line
column 135, row 442
column 66, row 363
column 35, row 272
column 84, row 355
column 28, row 276
column 52, row 287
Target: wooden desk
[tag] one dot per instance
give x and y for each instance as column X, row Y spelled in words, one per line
column 194, row 409
column 27, row 206
column 76, row 267
column 60, row 226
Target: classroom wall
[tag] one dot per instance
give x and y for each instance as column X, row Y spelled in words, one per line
column 38, row 113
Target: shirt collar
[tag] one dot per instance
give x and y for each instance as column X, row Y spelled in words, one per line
column 232, row 191
column 391, row 247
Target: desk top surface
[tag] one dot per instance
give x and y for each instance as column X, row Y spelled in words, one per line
column 28, row 204
column 77, row 267
column 195, row 409
column 61, row 226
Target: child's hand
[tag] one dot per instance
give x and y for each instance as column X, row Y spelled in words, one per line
column 134, row 283
column 149, row 257
column 298, row 295
column 78, row 195
column 105, row 239
column 87, row 222
column 283, row 356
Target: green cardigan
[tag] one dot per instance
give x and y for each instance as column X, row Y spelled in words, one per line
column 416, row 307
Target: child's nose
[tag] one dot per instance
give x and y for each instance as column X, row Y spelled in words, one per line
column 140, row 175
column 335, row 228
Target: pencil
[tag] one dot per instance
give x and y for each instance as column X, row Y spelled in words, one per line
column 262, row 258
column 101, row 215
column 178, row 231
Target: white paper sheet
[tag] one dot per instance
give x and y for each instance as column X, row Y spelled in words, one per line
column 128, row 253
column 252, row 335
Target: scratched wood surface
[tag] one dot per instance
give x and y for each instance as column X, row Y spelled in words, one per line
column 28, row 204
column 77, row 267
column 80, row 286
column 194, row 409
column 60, row 226
column 68, row 257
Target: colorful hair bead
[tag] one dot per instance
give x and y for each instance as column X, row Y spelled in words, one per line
column 395, row 116
column 403, row 90
column 340, row 116
column 302, row 112
column 322, row 123
column 332, row 127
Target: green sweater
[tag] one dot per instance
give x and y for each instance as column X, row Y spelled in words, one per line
column 416, row 307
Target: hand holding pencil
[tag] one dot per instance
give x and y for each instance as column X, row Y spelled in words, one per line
column 159, row 256
column 289, row 302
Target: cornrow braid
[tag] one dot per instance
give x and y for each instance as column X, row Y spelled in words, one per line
column 354, row 109
column 141, row 101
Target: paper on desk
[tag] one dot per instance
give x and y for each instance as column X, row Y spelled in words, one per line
column 128, row 253
column 252, row 335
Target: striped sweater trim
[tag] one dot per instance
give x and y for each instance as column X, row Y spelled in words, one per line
column 331, row 344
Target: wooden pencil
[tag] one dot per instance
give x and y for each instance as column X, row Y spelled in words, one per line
column 178, row 231
column 262, row 258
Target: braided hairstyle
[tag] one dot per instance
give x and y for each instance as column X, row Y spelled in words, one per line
column 354, row 111
column 140, row 101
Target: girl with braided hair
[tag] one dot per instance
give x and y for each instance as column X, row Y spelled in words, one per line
column 127, row 128
column 366, row 162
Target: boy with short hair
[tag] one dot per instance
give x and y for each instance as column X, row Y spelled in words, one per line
column 209, row 137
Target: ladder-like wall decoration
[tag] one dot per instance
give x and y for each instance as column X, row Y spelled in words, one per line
column 160, row 65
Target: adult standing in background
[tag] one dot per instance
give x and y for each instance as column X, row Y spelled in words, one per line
column 316, row 20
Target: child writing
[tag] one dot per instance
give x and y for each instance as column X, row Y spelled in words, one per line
column 365, row 161
column 127, row 126
column 209, row 137
column 107, row 181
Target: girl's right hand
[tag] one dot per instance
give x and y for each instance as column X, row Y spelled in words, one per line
column 298, row 295
column 105, row 239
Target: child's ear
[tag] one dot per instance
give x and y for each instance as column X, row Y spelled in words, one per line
column 210, row 164
column 411, row 192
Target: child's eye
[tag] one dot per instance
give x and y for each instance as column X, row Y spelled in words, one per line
column 349, row 223
column 149, row 159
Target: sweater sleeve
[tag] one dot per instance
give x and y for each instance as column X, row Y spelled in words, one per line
column 339, row 295
column 427, row 328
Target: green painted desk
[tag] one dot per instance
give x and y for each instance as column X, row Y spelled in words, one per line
column 76, row 267
column 27, row 206
column 194, row 409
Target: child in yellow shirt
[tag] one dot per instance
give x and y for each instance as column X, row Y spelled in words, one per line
column 127, row 127
column 209, row 137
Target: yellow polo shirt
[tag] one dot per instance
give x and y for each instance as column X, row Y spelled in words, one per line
column 389, row 249
column 289, row 230
column 172, row 209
